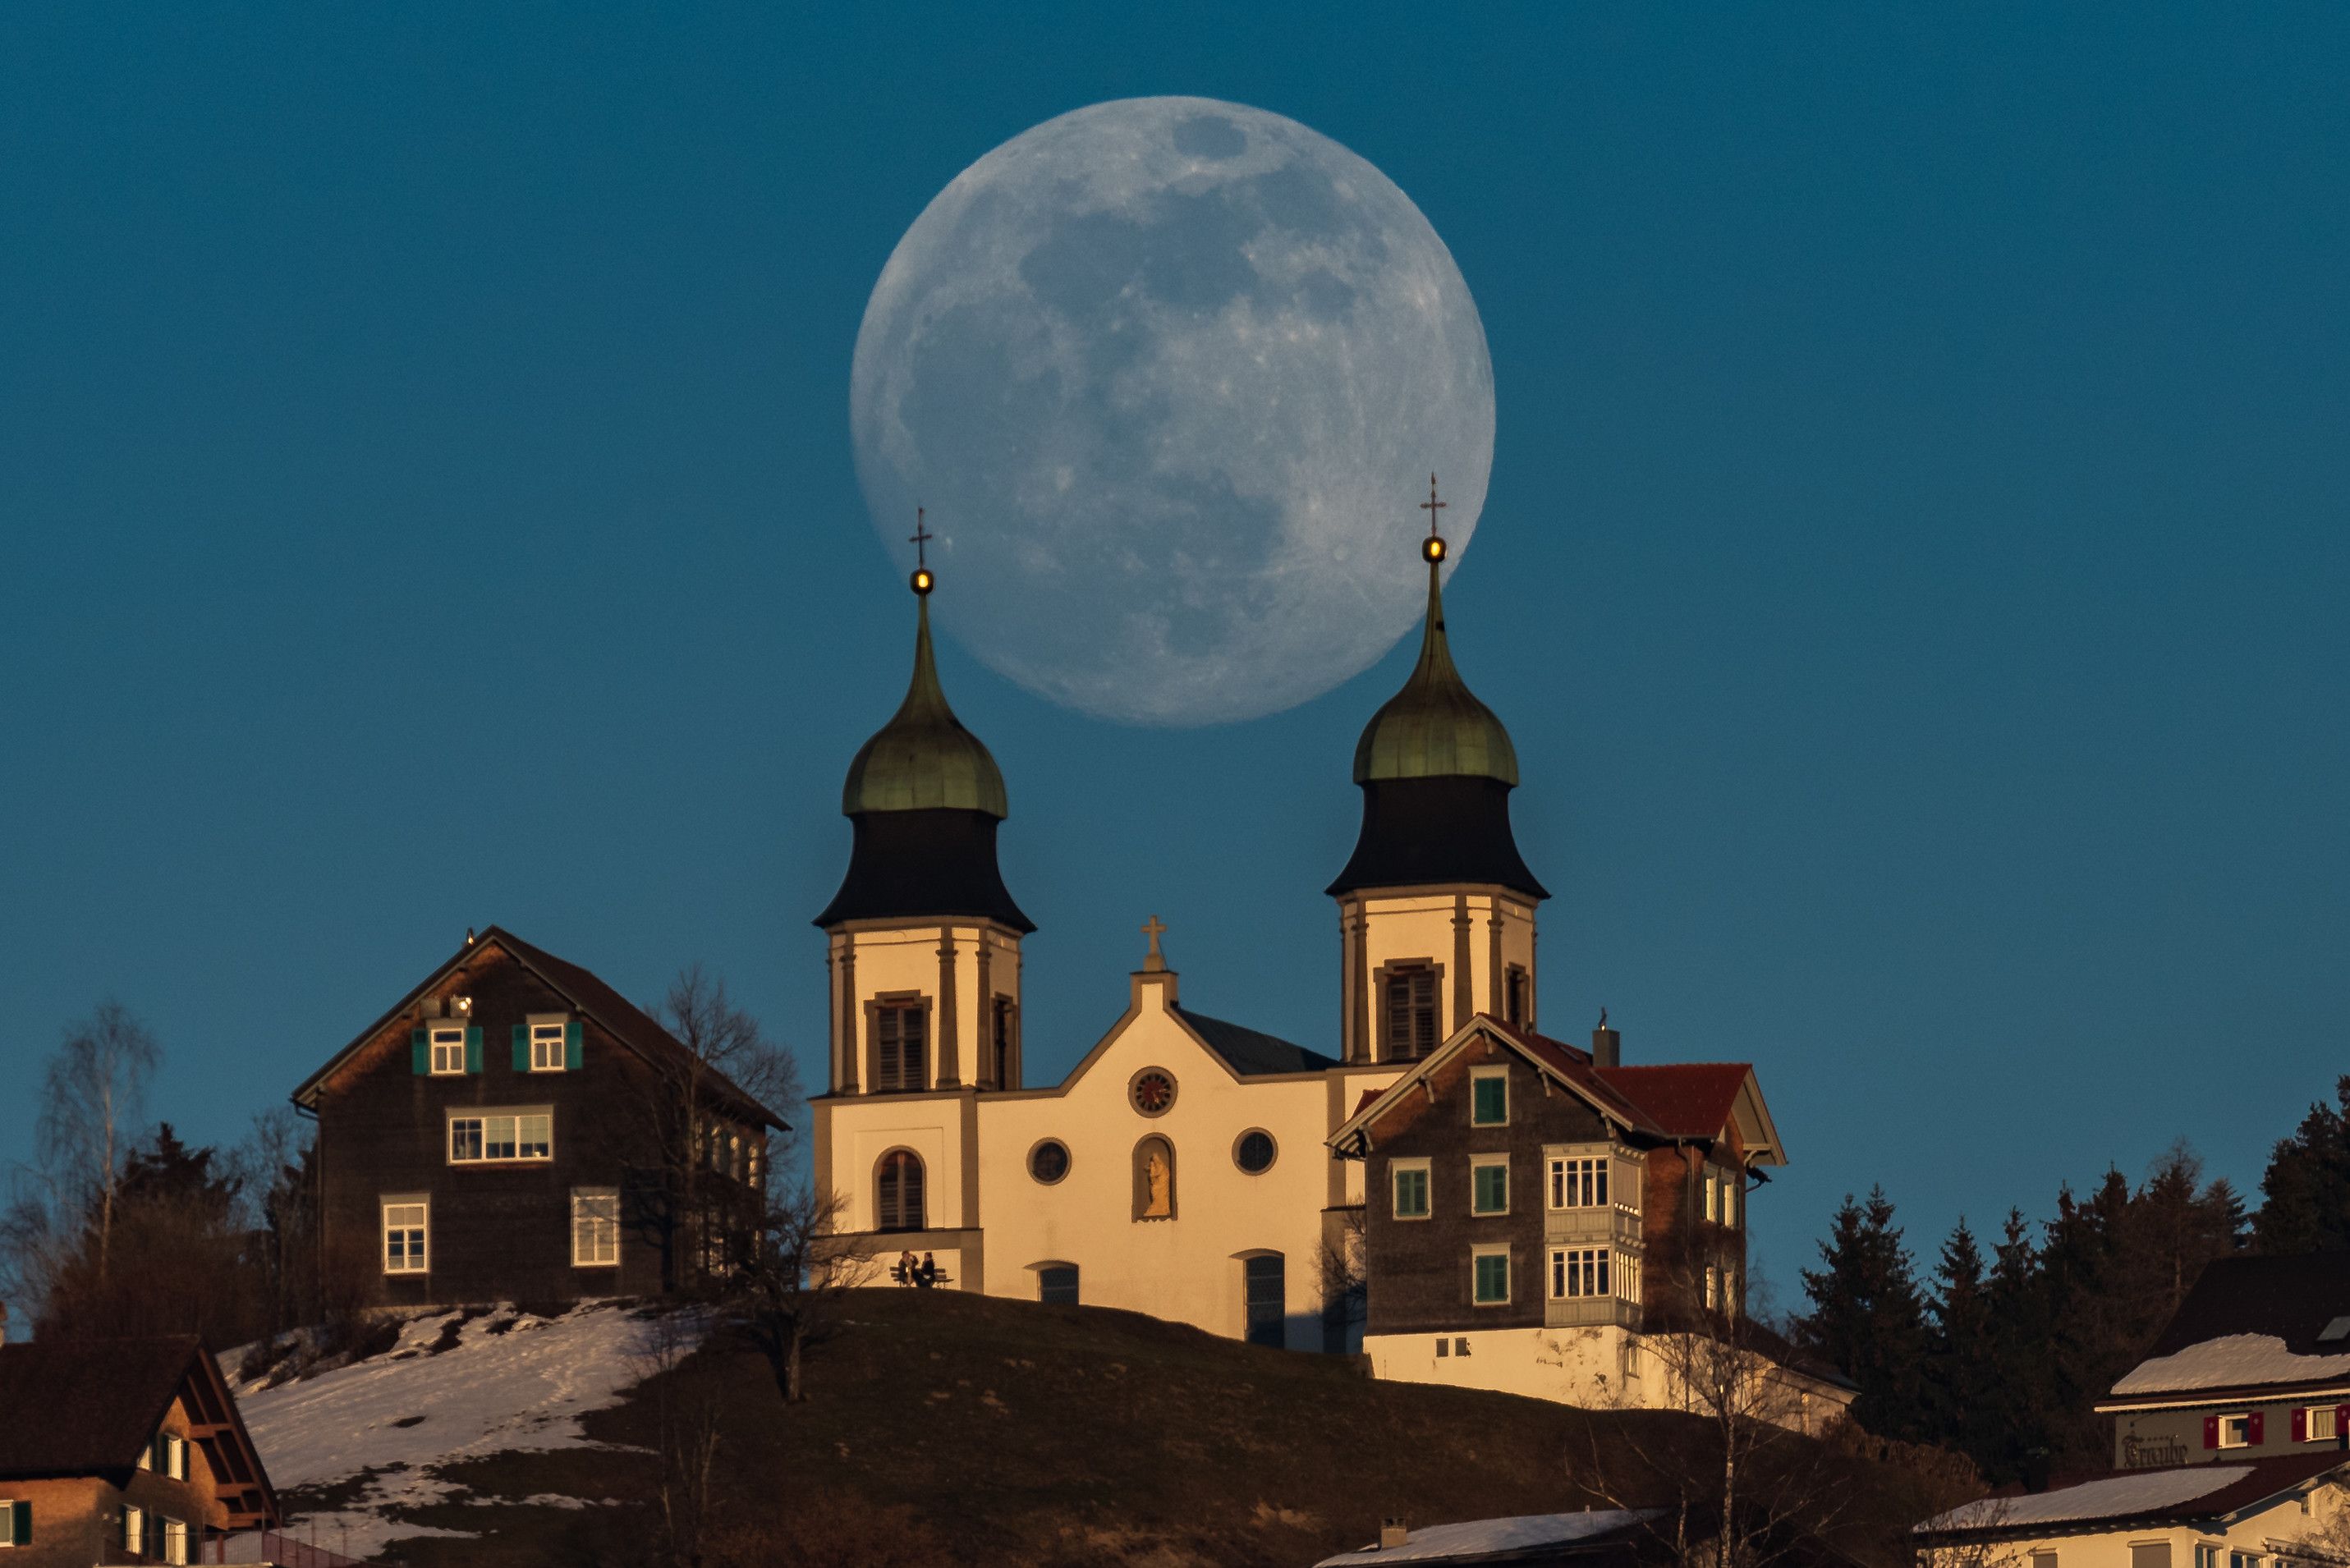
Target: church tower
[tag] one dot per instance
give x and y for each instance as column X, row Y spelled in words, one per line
column 924, row 947
column 1436, row 909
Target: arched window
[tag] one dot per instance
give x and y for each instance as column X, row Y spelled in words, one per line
column 1154, row 1178
column 897, row 1191
column 1265, row 1290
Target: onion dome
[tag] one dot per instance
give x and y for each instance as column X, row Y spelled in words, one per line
column 1437, row 768
column 923, row 759
column 924, row 799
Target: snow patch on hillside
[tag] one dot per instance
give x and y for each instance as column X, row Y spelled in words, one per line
column 511, row 1383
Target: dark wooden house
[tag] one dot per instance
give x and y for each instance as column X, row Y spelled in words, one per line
column 515, row 1129
column 121, row 1451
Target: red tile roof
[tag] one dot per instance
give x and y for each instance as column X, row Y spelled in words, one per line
column 1688, row 1099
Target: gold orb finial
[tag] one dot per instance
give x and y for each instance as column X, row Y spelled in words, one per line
column 1432, row 548
column 922, row 580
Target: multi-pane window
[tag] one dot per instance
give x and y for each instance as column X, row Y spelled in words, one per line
column 546, row 1047
column 1410, row 1013
column 898, row 1192
column 404, row 1228
column 2321, row 1423
column 1490, row 1276
column 1411, row 1191
column 594, row 1227
column 448, row 1048
column 1579, row 1183
column 15, row 1522
column 1579, row 1271
column 1489, row 1185
column 900, row 1039
column 1729, row 1199
column 1058, row 1283
column 1489, row 1097
column 2235, row 1431
column 175, row 1540
column 135, row 1529
column 503, row 1134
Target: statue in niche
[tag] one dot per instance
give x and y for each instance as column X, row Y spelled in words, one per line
column 1158, row 1184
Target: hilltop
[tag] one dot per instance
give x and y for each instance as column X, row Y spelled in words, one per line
column 943, row 1427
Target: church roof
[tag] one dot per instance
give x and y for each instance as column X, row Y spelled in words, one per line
column 1251, row 1053
column 1435, row 727
column 923, row 759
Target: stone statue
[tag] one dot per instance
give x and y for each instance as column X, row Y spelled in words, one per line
column 1160, row 1202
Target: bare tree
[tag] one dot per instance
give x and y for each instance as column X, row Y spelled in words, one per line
column 686, row 1431
column 63, row 1204
column 727, row 1060
column 792, row 1274
column 93, row 1102
column 1344, row 1274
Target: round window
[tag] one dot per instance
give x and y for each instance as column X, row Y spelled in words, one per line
column 1254, row 1152
column 1049, row 1161
column 1152, row 1090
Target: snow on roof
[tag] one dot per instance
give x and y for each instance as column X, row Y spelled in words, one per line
column 1477, row 1537
column 408, row 1412
column 2131, row 1495
column 2230, row 1361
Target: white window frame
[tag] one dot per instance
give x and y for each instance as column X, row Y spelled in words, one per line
column 434, row 1043
column 1713, row 1207
column 1428, row 1182
column 7, row 1523
column 1571, row 1267
column 1477, row 1162
column 549, row 1030
column 135, row 1529
column 423, row 1226
column 484, row 1121
column 1509, row 1285
column 1486, row 1076
column 1571, row 1175
column 2240, row 1423
column 175, row 1455
column 595, row 1237
column 2309, row 1417
column 174, row 1541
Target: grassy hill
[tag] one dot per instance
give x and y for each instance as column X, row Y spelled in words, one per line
column 946, row 1427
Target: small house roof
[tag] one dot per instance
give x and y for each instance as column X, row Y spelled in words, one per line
column 2176, row 1495
column 627, row 1023
column 2252, row 1323
column 100, row 1402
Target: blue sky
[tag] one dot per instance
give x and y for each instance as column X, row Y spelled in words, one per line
column 1913, row 571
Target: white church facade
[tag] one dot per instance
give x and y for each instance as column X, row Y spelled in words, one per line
column 1186, row 1167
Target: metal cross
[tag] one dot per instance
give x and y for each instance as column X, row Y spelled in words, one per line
column 1432, row 505
column 922, row 537
column 1154, row 928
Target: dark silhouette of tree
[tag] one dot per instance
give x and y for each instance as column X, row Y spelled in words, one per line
column 1962, row 1373
column 1868, row 1316
column 2305, row 1192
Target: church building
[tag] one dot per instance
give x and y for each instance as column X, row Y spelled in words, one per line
column 1187, row 1167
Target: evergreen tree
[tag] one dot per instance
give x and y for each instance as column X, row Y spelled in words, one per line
column 1961, row 1371
column 1866, row 1316
column 2023, row 1364
column 2306, row 1190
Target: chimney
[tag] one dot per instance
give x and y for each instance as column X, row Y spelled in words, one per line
column 1606, row 1045
column 1392, row 1534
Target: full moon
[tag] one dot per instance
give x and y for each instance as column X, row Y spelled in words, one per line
column 1171, row 376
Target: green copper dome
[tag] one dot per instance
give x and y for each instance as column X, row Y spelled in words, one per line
column 1434, row 727
column 923, row 759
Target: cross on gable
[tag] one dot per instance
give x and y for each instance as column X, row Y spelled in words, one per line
column 1154, row 928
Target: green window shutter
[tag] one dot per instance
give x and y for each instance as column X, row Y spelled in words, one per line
column 472, row 1047
column 572, row 1046
column 419, row 1052
column 521, row 1047
column 20, row 1525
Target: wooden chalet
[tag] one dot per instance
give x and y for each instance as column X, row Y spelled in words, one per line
column 514, row 1129
column 122, row 1450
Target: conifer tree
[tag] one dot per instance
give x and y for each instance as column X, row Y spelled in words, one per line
column 2022, row 1365
column 1867, row 1318
column 1960, row 1374
column 2306, row 1190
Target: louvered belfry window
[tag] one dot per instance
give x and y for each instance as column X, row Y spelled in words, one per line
column 1412, row 1012
column 900, row 1035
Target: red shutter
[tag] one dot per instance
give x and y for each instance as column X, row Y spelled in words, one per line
column 2210, row 1431
column 2253, row 1423
column 2341, row 1423
column 2300, row 1425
